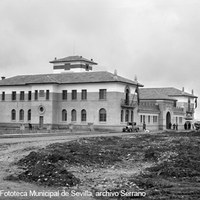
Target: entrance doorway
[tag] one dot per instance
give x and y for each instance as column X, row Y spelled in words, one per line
column 41, row 121
column 168, row 120
column 187, row 125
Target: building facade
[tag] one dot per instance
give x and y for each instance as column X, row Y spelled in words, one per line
column 172, row 107
column 82, row 97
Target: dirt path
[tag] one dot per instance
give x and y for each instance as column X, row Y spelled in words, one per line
column 20, row 138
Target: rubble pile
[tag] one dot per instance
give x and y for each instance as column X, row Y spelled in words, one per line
column 46, row 170
column 167, row 165
column 87, row 152
column 178, row 176
column 49, row 166
column 185, row 165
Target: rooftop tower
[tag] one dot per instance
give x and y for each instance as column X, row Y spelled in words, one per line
column 72, row 64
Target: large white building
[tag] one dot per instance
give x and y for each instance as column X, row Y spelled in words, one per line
column 74, row 94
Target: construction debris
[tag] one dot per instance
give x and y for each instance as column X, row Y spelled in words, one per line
column 163, row 165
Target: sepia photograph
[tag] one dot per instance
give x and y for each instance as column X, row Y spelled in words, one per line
column 99, row 99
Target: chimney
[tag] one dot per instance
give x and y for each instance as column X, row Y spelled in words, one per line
column 55, row 58
column 135, row 78
column 192, row 92
column 115, row 75
column 183, row 89
column 3, row 77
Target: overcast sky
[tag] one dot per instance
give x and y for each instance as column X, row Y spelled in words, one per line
column 157, row 40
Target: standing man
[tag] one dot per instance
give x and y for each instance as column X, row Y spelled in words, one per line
column 144, row 126
column 170, row 125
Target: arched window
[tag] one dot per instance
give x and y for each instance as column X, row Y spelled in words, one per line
column 29, row 114
column 131, row 116
column 83, row 115
column 127, row 92
column 122, row 115
column 73, row 115
column 127, row 116
column 21, row 114
column 102, row 115
column 64, row 115
column 13, row 114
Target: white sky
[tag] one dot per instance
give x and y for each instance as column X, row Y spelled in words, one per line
column 157, row 40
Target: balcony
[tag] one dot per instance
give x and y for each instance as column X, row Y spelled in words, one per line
column 128, row 104
column 189, row 116
column 190, row 110
column 178, row 110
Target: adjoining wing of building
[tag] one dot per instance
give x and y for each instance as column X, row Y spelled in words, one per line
column 74, row 94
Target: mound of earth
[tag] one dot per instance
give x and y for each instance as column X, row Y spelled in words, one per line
column 168, row 165
column 46, row 170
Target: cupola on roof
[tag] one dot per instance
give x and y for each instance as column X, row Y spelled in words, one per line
column 73, row 63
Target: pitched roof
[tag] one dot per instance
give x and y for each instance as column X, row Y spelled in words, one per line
column 70, row 59
column 66, row 78
column 168, row 93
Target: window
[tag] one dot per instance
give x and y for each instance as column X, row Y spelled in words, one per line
column 21, row 115
column 36, row 94
column 14, row 95
column 102, row 115
column 127, row 116
column 47, row 94
column 122, row 115
column 41, row 93
column 3, row 96
column 102, row 94
column 149, row 119
column 64, row 94
column 74, row 94
column 127, row 90
column 87, row 67
column 73, row 115
column 29, row 95
column 13, row 114
column 141, row 119
column 29, row 114
column 83, row 115
column 131, row 116
column 155, row 119
column 64, row 115
column 21, row 95
column 84, row 94
column 175, row 104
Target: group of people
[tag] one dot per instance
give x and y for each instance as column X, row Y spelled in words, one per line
column 174, row 126
column 187, row 126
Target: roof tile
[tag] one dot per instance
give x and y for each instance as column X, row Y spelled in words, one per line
column 167, row 93
column 66, row 78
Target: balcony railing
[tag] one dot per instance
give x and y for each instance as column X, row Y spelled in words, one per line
column 128, row 104
column 190, row 110
column 178, row 109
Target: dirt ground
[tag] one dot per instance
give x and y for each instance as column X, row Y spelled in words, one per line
column 16, row 146
column 161, row 165
column 11, row 150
